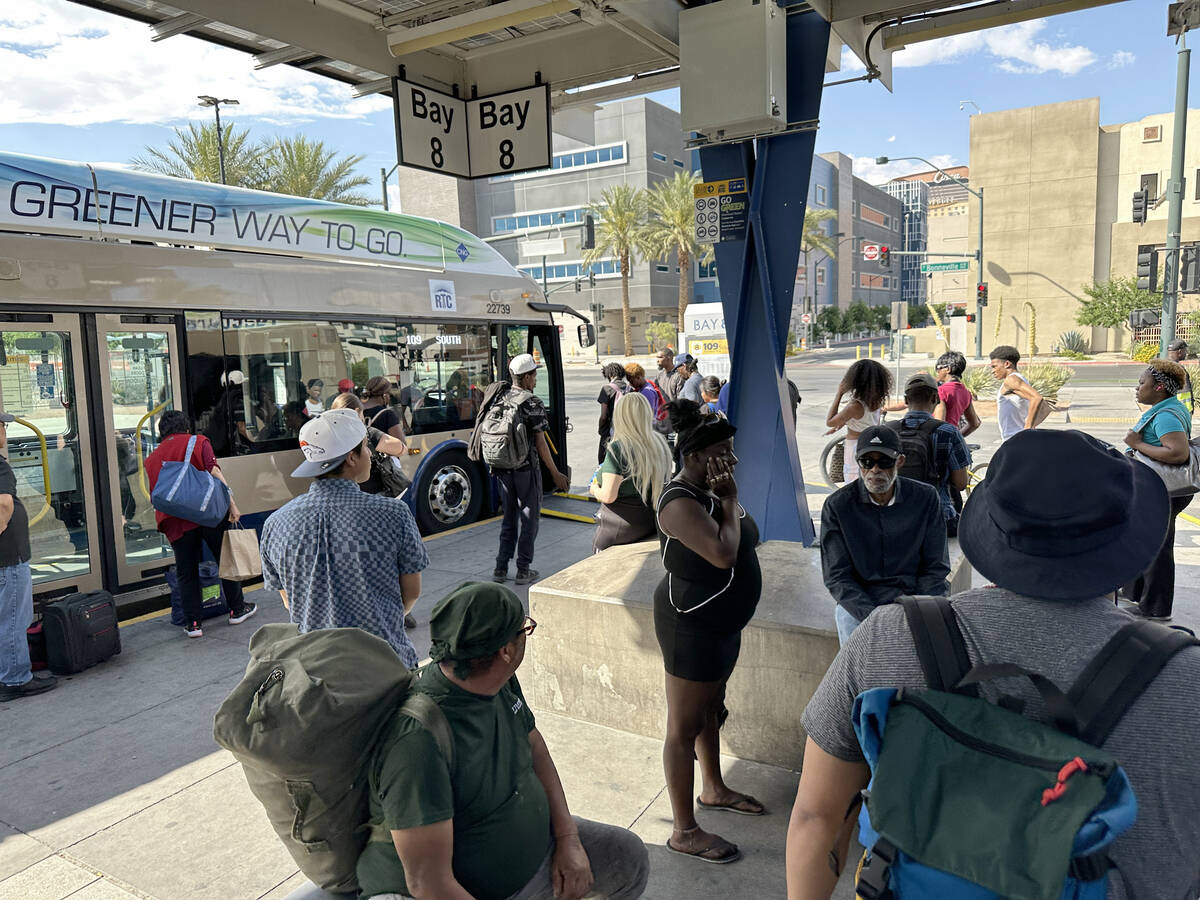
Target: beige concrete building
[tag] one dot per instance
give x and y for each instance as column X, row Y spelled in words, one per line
column 1058, row 188
column 947, row 233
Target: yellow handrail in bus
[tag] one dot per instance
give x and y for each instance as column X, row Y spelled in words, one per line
column 45, row 469
column 137, row 437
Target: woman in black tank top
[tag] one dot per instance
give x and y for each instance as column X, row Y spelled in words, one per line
column 709, row 593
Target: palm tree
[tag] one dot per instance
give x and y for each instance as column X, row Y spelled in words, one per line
column 815, row 237
column 192, row 153
column 670, row 229
column 620, row 217
column 305, row 168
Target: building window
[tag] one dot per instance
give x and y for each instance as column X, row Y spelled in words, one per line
column 678, row 163
column 661, row 268
column 659, row 156
column 820, row 276
column 605, row 268
column 707, row 269
column 524, row 221
column 595, row 156
column 1150, row 184
column 867, row 280
column 867, row 214
column 821, row 195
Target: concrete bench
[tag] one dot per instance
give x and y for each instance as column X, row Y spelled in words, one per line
column 595, row 656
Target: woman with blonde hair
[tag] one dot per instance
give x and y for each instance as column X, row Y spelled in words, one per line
column 631, row 478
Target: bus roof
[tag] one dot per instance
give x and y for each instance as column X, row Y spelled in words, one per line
column 50, row 196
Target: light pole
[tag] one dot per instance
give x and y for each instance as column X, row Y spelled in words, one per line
column 209, row 100
column 384, row 175
column 884, row 160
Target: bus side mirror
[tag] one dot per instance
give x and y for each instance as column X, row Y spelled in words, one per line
column 587, row 335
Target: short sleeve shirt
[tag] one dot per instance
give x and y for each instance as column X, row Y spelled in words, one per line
column 14, row 540
column 957, row 398
column 615, row 464
column 1160, row 854
column 381, row 417
column 339, row 554
column 1162, row 418
column 533, row 410
column 499, row 807
column 172, row 450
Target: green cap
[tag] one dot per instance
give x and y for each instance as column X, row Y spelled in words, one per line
column 474, row 620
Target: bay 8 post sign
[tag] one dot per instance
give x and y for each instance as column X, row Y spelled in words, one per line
column 56, row 197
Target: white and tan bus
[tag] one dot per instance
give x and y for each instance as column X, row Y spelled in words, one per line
column 124, row 294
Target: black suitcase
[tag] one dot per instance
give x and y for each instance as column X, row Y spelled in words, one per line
column 81, row 630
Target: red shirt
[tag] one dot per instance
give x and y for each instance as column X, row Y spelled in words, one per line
column 957, row 398
column 172, row 450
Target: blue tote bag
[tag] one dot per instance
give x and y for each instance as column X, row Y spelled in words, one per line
column 188, row 493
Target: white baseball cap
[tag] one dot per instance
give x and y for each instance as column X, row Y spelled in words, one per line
column 327, row 439
column 522, row 364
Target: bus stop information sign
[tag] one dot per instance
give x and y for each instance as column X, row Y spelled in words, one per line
column 722, row 208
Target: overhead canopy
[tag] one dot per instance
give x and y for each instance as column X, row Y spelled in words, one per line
column 498, row 46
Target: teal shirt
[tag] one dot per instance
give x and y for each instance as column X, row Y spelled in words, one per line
column 1162, row 418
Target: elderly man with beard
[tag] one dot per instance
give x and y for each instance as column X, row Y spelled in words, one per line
column 882, row 536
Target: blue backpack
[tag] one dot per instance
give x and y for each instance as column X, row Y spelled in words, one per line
column 970, row 800
column 188, row 493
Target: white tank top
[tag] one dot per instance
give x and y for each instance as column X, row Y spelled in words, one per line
column 1011, row 410
column 869, row 418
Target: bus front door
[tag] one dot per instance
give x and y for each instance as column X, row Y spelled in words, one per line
column 50, row 449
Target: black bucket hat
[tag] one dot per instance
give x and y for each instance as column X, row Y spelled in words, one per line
column 1063, row 516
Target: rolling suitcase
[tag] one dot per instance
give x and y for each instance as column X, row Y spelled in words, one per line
column 81, row 630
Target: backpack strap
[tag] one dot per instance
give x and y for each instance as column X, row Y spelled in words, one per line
column 1120, row 672
column 423, row 709
column 939, row 642
column 929, row 426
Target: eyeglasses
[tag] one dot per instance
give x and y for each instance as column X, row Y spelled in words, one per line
column 528, row 627
column 871, row 462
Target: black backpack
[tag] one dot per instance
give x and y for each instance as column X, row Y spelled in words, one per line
column 920, row 463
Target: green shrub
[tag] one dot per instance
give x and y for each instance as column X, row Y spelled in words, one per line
column 1144, row 352
column 1071, row 354
column 659, row 335
column 1072, row 342
column 1047, row 379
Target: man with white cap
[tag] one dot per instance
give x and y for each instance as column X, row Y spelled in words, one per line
column 342, row 558
column 521, row 487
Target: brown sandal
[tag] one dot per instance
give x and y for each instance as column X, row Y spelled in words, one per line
column 720, row 853
column 737, row 806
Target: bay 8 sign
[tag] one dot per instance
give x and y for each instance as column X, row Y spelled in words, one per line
column 704, row 338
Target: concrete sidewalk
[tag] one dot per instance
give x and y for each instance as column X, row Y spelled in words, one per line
column 111, row 786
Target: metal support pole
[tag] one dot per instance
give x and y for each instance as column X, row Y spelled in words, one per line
column 978, row 308
column 1175, row 204
column 543, row 274
column 220, row 143
column 383, row 176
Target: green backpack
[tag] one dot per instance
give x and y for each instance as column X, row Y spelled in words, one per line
column 303, row 722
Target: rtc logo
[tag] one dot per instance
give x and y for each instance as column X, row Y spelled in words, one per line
column 441, row 296
column 462, row 252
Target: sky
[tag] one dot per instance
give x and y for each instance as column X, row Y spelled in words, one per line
column 83, row 85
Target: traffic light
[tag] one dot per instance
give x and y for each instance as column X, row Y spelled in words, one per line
column 578, row 285
column 589, row 233
column 885, row 257
column 981, row 293
column 970, row 317
column 1147, row 268
column 1189, row 270
column 591, row 278
column 1141, row 200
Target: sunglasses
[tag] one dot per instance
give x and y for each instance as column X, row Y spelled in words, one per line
column 871, row 462
column 528, row 628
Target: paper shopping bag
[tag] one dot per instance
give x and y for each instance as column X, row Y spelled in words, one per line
column 240, row 558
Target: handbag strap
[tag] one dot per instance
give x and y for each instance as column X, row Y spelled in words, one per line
column 187, row 460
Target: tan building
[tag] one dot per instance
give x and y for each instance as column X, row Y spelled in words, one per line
column 1059, row 188
column 947, row 233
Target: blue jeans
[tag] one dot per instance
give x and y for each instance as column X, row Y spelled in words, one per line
column 846, row 623
column 16, row 615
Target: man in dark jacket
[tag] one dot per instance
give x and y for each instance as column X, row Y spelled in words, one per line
column 882, row 536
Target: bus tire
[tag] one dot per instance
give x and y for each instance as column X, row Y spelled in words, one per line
column 448, row 494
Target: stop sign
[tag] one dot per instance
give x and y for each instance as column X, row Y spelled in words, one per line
column 870, row 252
column 806, row 318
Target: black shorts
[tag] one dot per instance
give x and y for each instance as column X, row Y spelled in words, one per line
column 691, row 650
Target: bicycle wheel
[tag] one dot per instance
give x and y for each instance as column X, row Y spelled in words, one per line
column 832, row 458
column 975, row 476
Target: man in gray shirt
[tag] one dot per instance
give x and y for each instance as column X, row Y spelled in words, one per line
column 1058, row 524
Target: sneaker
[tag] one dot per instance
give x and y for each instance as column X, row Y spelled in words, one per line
column 248, row 610
column 525, row 576
column 38, row 684
column 500, row 574
column 193, row 630
column 410, row 621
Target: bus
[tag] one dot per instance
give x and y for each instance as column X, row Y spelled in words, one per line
column 125, row 294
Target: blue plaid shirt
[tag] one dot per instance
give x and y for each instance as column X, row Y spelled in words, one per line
column 949, row 454
column 339, row 553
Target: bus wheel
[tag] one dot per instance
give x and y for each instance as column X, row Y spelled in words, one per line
column 449, row 493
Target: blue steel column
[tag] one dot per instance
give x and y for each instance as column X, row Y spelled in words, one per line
column 757, row 276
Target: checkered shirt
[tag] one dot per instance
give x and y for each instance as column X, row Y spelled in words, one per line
column 339, row 553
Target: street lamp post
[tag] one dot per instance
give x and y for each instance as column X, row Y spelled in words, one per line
column 884, row 160
column 209, row 100
column 384, row 175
